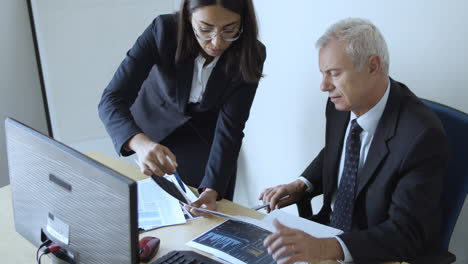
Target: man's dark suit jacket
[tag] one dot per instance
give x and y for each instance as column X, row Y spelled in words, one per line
column 149, row 93
column 397, row 206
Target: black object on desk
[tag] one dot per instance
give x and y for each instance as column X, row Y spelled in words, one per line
column 184, row 257
column 170, row 188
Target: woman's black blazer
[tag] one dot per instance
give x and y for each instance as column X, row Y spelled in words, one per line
column 149, row 94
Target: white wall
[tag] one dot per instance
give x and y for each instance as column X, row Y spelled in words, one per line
column 428, row 52
column 20, row 90
column 81, row 45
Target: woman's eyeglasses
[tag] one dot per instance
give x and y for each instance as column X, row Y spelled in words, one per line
column 209, row 34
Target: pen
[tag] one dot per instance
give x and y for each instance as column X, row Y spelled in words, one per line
column 258, row 207
column 176, row 175
column 179, row 180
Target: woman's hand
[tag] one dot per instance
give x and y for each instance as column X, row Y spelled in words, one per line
column 207, row 200
column 152, row 157
column 295, row 190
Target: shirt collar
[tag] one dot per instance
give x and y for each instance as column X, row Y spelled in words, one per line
column 200, row 60
column 370, row 119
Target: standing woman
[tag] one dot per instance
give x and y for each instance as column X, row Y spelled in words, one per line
column 184, row 92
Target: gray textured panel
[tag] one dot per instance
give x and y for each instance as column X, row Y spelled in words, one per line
column 97, row 209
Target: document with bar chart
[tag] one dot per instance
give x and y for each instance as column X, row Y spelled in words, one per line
column 240, row 240
column 235, row 242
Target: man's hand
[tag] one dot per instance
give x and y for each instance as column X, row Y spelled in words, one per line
column 152, row 157
column 289, row 245
column 207, row 200
column 295, row 189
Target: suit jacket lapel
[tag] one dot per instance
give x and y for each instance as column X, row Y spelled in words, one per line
column 215, row 86
column 184, row 75
column 336, row 132
column 384, row 132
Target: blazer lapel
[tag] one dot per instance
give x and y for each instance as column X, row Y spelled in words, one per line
column 384, row 132
column 184, row 75
column 215, row 86
column 336, row 132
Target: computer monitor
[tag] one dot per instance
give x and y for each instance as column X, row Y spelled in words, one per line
column 58, row 193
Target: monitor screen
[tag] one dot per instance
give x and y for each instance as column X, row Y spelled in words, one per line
column 58, row 193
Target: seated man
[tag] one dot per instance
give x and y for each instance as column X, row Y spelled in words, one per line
column 381, row 170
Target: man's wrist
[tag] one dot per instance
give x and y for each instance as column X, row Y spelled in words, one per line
column 331, row 249
column 347, row 258
column 299, row 186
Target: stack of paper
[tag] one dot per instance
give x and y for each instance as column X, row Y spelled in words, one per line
column 156, row 208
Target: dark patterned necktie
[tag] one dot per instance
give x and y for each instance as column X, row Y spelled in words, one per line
column 342, row 215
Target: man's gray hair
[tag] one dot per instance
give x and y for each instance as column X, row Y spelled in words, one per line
column 362, row 39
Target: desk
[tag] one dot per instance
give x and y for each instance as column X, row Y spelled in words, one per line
column 175, row 237
column 172, row 237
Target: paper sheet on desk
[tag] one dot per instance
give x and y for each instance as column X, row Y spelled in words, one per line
column 156, row 208
column 191, row 197
column 222, row 215
column 241, row 241
column 171, row 187
column 310, row 227
column 237, row 242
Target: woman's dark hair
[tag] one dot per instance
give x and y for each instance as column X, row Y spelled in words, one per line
column 243, row 56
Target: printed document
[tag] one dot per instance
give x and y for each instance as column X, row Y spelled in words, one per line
column 242, row 241
column 310, row 227
column 156, row 208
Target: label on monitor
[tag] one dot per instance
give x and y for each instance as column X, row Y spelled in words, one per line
column 57, row 228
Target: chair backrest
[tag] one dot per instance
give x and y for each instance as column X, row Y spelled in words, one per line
column 456, row 182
